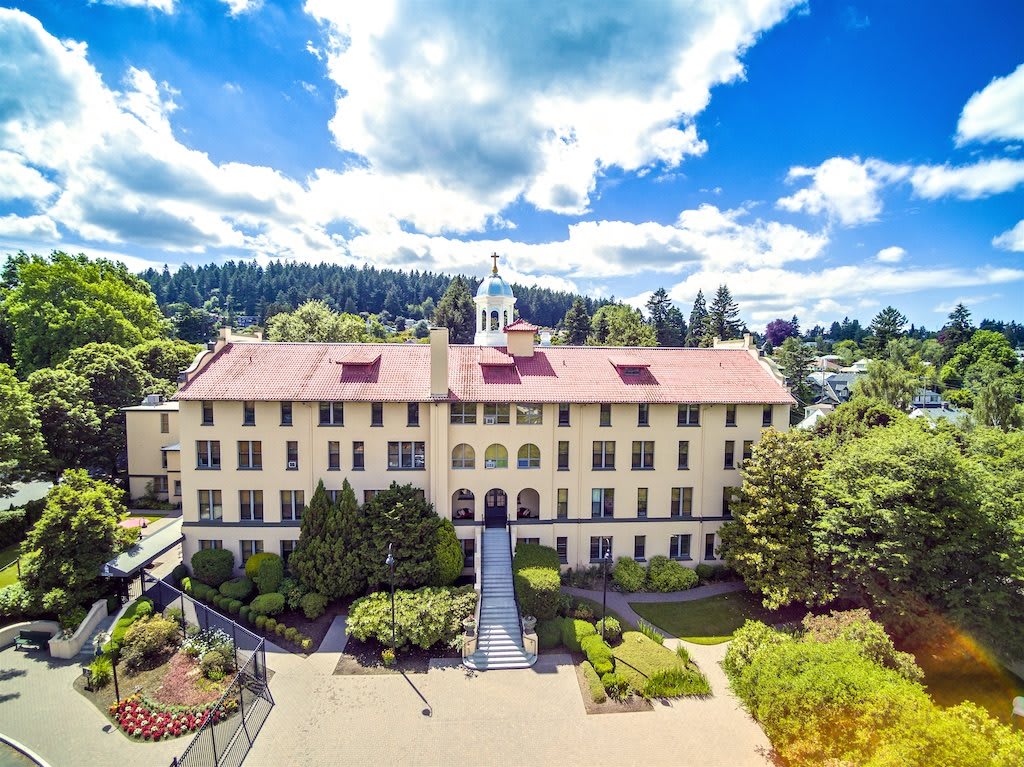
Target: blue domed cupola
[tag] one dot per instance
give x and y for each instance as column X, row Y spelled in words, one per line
column 494, row 308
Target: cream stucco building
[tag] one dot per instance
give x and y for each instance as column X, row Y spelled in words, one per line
column 578, row 448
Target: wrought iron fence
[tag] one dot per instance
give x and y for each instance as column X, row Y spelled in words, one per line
column 225, row 738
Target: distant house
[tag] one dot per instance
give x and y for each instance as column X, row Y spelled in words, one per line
column 860, row 366
column 833, row 388
column 944, row 413
column 927, row 399
column 813, row 414
column 246, row 320
column 830, row 362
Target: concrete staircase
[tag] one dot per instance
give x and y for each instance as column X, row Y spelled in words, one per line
column 500, row 641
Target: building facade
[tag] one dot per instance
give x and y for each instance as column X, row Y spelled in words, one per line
column 579, row 448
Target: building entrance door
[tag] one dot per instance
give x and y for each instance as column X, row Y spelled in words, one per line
column 495, row 508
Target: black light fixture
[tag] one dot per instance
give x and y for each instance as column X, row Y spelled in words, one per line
column 606, row 559
column 390, row 562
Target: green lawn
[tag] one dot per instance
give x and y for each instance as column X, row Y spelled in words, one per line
column 7, row 556
column 714, row 619
column 638, row 658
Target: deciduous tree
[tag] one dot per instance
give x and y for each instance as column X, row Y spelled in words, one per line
column 164, row 358
column 68, row 418
column 796, row 362
column 22, row 450
column 625, row 327
column 315, row 321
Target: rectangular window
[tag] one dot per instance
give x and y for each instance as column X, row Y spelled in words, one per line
column 248, row 414
column 292, row 505
column 641, row 502
column 160, row 484
column 333, row 456
column 679, row 546
column 730, row 415
column 163, row 459
column 332, row 413
column 358, row 457
column 562, row 505
column 602, row 502
column 207, row 414
column 606, row 415
column 604, row 455
column 286, row 413
column 684, row 454
column 210, row 507
column 248, row 548
column 468, row 552
column 528, row 541
column 177, row 488
column 165, row 423
column 727, row 499
column 688, row 415
column 529, row 415
column 334, row 495
column 206, row 543
column 495, row 413
column 730, row 454
column 709, row 546
column 599, row 546
column 292, row 450
column 376, row 414
column 640, row 547
column 462, row 412
column 563, row 414
column 207, row 454
column 250, row 504
column 643, row 454
column 368, row 495
column 748, row 450
column 287, row 547
column 406, row 455
column 250, row 454
column 643, row 414
column 562, row 547
column 563, row 456
column 682, row 502
column 766, row 415
column 412, row 414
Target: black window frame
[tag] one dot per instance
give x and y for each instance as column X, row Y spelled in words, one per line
column 358, row 456
column 403, row 455
column 333, row 455
column 287, row 413
column 212, row 455
column 291, row 452
column 687, row 414
column 675, row 547
column 767, row 415
column 376, row 414
column 604, row 417
column 562, row 549
column 334, row 411
column 563, row 455
column 603, row 451
column 564, row 414
column 640, row 548
column 412, row 414
column 684, row 455
column 643, row 414
column 642, row 455
column 730, row 415
column 709, row 547
column 207, row 413
column 681, row 502
column 643, row 499
column 254, row 508
column 248, row 412
column 729, row 458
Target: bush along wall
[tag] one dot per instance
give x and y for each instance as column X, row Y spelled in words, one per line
column 536, row 574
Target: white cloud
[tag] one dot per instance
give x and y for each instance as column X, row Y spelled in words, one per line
column 891, row 255
column 239, row 7
column 995, row 113
column 167, row 6
column 846, row 189
column 232, row 88
column 33, row 228
column 967, row 182
column 19, row 181
column 1011, row 239
column 968, row 301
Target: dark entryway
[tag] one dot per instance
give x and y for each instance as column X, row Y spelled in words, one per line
column 495, row 508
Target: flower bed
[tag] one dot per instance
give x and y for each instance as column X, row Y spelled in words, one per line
column 141, row 718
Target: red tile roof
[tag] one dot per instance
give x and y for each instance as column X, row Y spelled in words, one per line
column 521, row 325
column 308, row 372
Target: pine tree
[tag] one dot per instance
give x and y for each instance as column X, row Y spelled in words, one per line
column 600, row 329
column 698, row 321
column 325, row 559
column 957, row 331
column 887, row 325
column 797, row 362
column 456, row 312
column 724, row 315
column 676, row 327
column 657, row 314
column 576, row 323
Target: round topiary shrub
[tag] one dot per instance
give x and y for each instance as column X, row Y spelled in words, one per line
column 144, row 608
column 705, row 573
column 266, row 570
column 213, row 566
column 612, row 629
column 237, row 588
column 629, row 574
column 179, row 573
column 313, row 605
column 664, row 574
column 280, row 629
column 268, row 604
column 290, row 634
column 271, row 626
column 243, row 612
column 261, row 621
column 234, row 606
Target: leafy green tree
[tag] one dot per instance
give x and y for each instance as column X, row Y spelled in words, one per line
column 888, row 382
column 69, row 422
column 626, row 327
column 448, row 556
column 997, row 405
column 22, row 449
column 723, row 316
column 848, row 352
column 315, row 321
column 399, row 516
column 576, row 323
column 796, row 362
column 456, row 312
column 675, row 331
column 887, row 325
column 192, row 324
column 955, row 332
column 769, row 542
column 853, row 420
column 697, row 329
column 64, row 302
column 984, row 346
column 164, row 358
column 326, row 558
column 77, row 532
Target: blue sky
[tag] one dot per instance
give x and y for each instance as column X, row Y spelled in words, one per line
column 822, row 159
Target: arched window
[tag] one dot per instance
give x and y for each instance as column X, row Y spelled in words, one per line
column 483, row 319
column 505, row 325
column 496, row 457
column 494, row 320
column 463, row 457
column 529, row 456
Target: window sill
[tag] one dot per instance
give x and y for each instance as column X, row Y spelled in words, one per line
column 682, row 516
column 533, row 467
column 412, row 426
column 642, row 468
column 206, row 424
column 563, row 425
column 250, row 468
column 562, row 468
column 330, row 424
column 710, row 559
column 688, row 425
column 376, row 426
column 207, row 468
column 249, row 424
column 730, row 426
column 358, row 468
column 290, row 469
column 682, row 559
column 643, row 425
column 333, row 468
column 639, row 559
column 602, row 468
column 727, row 467
column 407, row 468
column 682, row 468
column 285, row 424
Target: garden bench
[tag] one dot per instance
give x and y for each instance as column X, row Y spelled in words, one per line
column 31, row 640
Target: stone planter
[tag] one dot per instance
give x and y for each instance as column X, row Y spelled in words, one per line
column 529, row 623
column 469, row 624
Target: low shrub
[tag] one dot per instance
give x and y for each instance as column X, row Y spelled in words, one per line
column 313, row 605
column 598, row 653
column 179, row 573
column 266, row 570
column 267, row 604
column 537, row 582
column 144, row 609
column 615, row 685
column 234, row 606
column 212, row 566
column 664, row 574
column 237, row 588
column 175, row 614
column 640, row 659
column 270, row 626
column 535, row 555
column 749, row 639
column 14, row 601
column 675, row 682
column 213, row 665
column 612, row 629
column 857, row 626
column 280, row 629
column 629, row 574
column 291, row 633
column 293, row 591
column 584, row 612
column 186, row 585
column 102, row 672
column 565, row 602
column 597, row 691
column 423, row 617
column 549, row 633
column 148, row 640
column 705, row 573
column 261, row 622
column 307, row 644
column 131, row 615
column 573, row 632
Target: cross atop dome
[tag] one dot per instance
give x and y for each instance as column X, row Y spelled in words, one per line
column 494, row 269
column 495, row 308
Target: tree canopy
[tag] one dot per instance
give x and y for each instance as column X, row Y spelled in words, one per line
column 723, row 316
column 620, row 325
column 22, row 448
column 457, row 312
column 576, row 323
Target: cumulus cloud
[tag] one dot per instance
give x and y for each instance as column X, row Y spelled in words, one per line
column 1012, row 239
column 995, row 113
column 891, row 255
column 33, row 228
column 847, row 189
column 167, row 6
column 20, row 181
column 967, row 182
column 239, row 7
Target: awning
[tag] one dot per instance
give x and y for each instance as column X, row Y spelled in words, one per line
column 130, row 561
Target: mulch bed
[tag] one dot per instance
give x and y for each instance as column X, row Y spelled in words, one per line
column 632, row 704
column 363, row 658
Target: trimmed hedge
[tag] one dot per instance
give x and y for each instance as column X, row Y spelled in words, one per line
column 266, row 570
column 612, row 629
column 237, row 588
column 213, row 566
column 535, row 555
column 125, row 622
column 573, row 631
column 549, row 634
column 423, row 617
column 664, row 574
column 598, row 653
column 597, row 691
column 629, row 574
column 537, row 580
column 313, row 605
column 267, row 604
